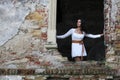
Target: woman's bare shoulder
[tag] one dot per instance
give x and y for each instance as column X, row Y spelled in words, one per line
column 73, row 28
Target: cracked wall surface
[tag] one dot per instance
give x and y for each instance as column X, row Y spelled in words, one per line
column 112, row 27
column 23, row 34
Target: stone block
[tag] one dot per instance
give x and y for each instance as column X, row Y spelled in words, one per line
column 117, row 46
column 117, row 26
column 36, row 33
column 117, row 52
column 34, row 16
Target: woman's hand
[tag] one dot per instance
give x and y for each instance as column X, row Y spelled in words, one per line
column 101, row 34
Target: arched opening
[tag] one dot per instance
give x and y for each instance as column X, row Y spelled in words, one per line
column 92, row 15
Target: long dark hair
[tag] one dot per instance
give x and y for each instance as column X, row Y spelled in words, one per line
column 74, row 20
column 82, row 24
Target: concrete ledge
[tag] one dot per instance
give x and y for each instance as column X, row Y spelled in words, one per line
column 69, row 69
column 50, row 45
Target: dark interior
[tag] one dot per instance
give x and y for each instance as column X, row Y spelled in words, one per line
column 91, row 12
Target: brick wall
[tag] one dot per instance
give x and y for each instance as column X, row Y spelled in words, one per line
column 112, row 31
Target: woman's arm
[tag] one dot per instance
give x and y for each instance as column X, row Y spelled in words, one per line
column 65, row 35
column 93, row 36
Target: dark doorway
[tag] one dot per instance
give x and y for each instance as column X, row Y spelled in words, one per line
column 92, row 14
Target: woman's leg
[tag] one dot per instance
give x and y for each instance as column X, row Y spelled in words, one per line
column 81, row 58
column 77, row 59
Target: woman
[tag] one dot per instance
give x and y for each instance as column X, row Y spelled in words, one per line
column 78, row 49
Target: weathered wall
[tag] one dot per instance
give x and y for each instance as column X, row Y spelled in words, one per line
column 24, row 34
column 112, row 31
column 23, row 27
